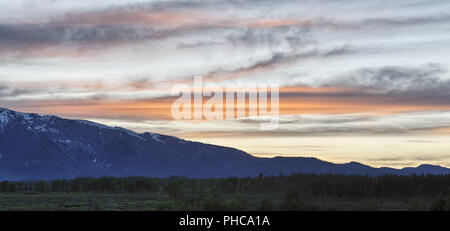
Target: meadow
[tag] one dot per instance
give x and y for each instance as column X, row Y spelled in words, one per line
column 264, row 193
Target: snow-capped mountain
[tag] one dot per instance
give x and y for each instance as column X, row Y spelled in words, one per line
column 47, row 147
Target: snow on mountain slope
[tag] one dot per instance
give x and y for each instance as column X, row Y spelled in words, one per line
column 49, row 147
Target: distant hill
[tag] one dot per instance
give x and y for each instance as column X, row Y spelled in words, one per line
column 49, row 147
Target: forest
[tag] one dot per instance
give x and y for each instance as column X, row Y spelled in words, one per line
column 293, row 192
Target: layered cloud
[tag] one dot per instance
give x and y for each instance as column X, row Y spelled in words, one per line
column 344, row 67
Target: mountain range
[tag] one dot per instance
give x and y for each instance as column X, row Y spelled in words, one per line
column 49, row 147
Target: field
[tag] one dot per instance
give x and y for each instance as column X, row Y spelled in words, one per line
column 157, row 201
column 295, row 192
column 80, row 201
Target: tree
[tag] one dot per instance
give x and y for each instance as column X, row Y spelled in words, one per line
column 238, row 203
column 4, row 186
column 175, row 189
column 438, row 203
column 41, row 186
column 293, row 201
column 215, row 201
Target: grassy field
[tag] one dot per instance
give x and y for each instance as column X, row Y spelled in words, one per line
column 81, row 201
column 158, row 201
column 293, row 192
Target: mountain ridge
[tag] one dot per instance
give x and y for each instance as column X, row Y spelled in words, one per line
column 50, row 147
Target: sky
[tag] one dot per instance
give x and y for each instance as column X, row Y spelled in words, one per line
column 364, row 81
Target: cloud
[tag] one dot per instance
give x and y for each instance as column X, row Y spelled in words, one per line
column 279, row 58
column 395, row 78
column 31, row 39
column 249, row 24
column 247, row 41
column 355, row 124
column 436, row 157
column 7, row 91
column 428, row 84
column 406, row 21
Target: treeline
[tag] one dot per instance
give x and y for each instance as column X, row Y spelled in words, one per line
column 84, row 184
column 277, row 192
column 339, row 186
